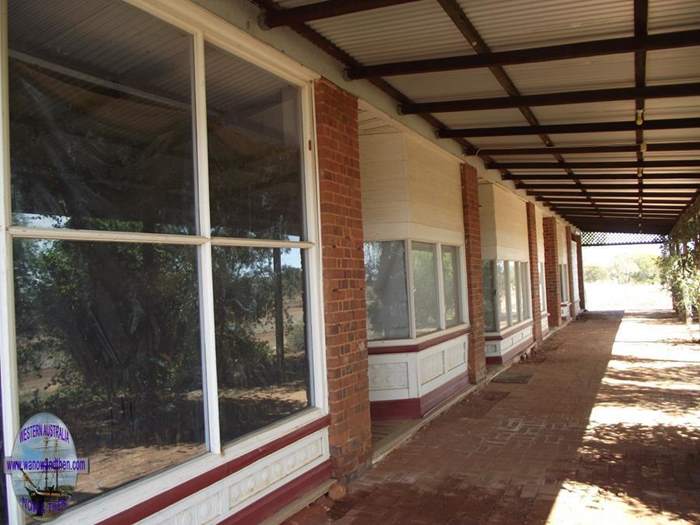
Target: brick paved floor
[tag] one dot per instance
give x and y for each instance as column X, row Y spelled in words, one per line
column 602, row 426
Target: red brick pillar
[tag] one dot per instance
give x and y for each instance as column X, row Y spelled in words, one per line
column 551, row 271
column 343, row 278
column 534, row 273
column 475, row 291
column 570, row 270
column 581, row 284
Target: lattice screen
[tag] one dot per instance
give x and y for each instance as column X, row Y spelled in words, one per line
column 610, row 239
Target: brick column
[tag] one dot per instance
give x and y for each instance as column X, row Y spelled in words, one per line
column 475, row 291
column 534, row 273
column 551, row 271
column 343, row 279
column 570, row 271
column 581, row 284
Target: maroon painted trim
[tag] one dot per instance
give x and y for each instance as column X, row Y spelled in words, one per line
column 511, row 354
column 417, row 407
column 434, row 398
column 509, row 332
column 278, row 499
column 407, row 349
column 396, row 409
column 165, row 499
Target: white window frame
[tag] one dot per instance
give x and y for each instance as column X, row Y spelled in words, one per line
column 517, row 271
column 462, row 297
column 204, row 27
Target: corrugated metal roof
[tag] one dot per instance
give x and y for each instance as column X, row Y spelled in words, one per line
column 510, row 24
column 669, row 66
column 491, row 117
column 593, row 139
column 449, row 85
column 408, row 31
column 578, row 113
column 673, row 15
column 574, row 74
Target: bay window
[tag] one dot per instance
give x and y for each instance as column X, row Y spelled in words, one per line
column 412, row 288
column 506, row 293
column 163, row 238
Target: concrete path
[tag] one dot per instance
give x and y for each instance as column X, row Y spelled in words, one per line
column 601, row 427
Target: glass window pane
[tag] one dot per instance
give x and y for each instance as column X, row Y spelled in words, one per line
column 513, row 292
column 525, row 287
column 108, row 340
column 261, row 340
column 543, row 289
column 254, row 140
column 450, row 273
column 100, row 118
column 501, row 291
column 385, row 290
column 425, row 288
column 489, row 296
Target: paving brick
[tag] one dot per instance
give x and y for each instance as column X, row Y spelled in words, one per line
column 608, row 431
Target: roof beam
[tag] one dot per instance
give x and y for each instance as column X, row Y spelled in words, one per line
column 555, row 194
column 593, row 127
column 549, row 186
column 631, row 148
column 554, row 99
column 624, row 206
column 454, row 10
column 688, row 163
column 603, row 200
column 592, row 176
column 330, row 8
column 536, row 54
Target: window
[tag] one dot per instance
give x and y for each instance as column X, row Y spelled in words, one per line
column 425, row 288
column 513, row 292
column 507, row 293
column 141, row 300
column 433, row 273
column 525, row 293
column 387, row 300
column 543, row 289
column 501, row 291
column 450, row 276
column 490, row 294
column 574, row 271
column 564, row 279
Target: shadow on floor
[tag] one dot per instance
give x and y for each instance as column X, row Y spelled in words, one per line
column 607, row 430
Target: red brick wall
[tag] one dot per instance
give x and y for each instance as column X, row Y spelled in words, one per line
column 570, row 270
column 581, row 284
column 475, row 291
column 343, row 278
column 534, row 273
column 551, row 271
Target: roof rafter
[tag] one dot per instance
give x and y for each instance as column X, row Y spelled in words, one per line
column 602, row 176
column 554, row 99
column 684, row 163
column 610, row 46
column 589, row 127
column 631, row 148
column 327, row 9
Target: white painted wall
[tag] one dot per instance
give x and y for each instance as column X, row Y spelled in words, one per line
column 409, row 190
column 503, row 224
